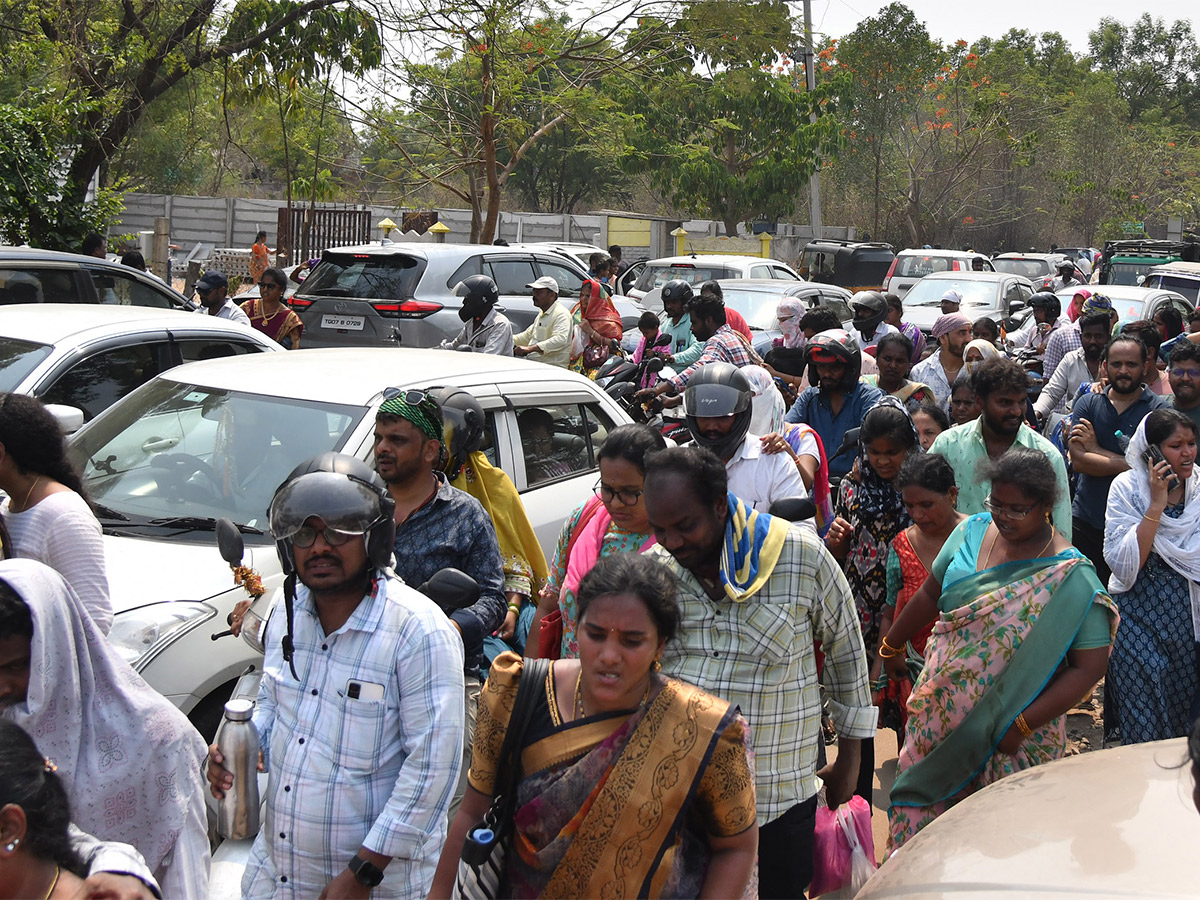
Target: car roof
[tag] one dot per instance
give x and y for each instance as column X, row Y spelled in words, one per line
column 1177, row 268
column 357, row 374
column 914, row 251
column 1016, row 255
column 724, row 259
column 971, row 276
column 54, row 323
column 1119, row 291
column 777, row 285
column 1110, row 823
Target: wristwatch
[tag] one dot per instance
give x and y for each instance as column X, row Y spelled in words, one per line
column 365, row 872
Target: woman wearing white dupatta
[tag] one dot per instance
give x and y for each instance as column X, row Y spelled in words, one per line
column 1152, row 544
column 130, row 760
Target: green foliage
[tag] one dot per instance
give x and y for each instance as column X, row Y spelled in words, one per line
column 1156, row 67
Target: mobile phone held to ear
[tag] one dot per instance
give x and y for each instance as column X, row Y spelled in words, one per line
column 1153, row 457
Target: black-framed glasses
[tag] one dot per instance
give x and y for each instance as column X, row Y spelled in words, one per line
column 306, row 536
column 1015, row 513
column 263, row 285
column 607, row 494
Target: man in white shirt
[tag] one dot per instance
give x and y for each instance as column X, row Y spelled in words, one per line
column 485, row 330
column 952, row 331
column 718, row 404
column 548, row 339
column 213, row 289
column 870, row 310
column 1076, row 368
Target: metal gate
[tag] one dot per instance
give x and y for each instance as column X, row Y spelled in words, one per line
column 304, row 233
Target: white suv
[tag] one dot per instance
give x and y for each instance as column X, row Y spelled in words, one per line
column 910, row 266
column 698, row 269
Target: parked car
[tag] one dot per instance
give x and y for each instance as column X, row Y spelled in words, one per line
column 89, row 357
column 1039, row 268
column 696, row 270
column 213, row 439
column 384, row 295
column 757, row 299
column 1129, row 261
column 47, row 276
column 1181, row 277
column 1132, row 302
column 854, row 265
column 910, row 266
column 1111, row 823
column 998, row 295
column 581, row 253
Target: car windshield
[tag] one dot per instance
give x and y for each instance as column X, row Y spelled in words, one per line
column 1030, row 268
column 757, row 307
column 928, row 292
column 920, row 266
column 658, row 274
column 1129, row 272
column 18, row 359
column 177, row 455
column 391, row 276
column 1187, row 285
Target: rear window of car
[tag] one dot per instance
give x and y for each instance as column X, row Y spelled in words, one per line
column 38, row 285
column 1030, row 268
column 394, row 276
column 657, row 275
column 916, row 266
column 18, row 359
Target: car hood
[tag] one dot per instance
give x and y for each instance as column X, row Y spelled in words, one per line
column 145, row 570
column 1113, row 823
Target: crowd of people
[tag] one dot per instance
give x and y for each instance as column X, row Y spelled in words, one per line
column 646, row 711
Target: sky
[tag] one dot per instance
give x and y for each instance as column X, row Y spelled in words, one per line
column 949, row 20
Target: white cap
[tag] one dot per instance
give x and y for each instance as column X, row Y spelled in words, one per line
column 544, row 282
column 952, row 296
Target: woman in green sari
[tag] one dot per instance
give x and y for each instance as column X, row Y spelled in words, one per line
column 1023, row 631
column 631, row 784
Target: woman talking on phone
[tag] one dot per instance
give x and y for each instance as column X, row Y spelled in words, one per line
column 1152, row 543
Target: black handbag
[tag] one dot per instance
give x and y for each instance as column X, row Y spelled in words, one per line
column 486, row 846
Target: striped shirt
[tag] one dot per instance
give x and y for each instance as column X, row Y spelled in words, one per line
column 759, row 655
column 726, row 345
column 377, row 771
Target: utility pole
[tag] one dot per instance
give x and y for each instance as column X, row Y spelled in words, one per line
column 810, row 78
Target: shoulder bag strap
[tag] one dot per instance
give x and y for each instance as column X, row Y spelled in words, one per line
column 508, row 768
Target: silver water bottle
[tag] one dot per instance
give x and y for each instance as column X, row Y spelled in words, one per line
column 237, row 814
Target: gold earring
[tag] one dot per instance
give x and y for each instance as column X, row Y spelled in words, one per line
column 1048, row 519
column 657, row 666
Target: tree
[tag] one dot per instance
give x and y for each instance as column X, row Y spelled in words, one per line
column 1156, row 67
column 111, row 60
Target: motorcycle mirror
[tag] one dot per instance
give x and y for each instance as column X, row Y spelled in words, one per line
column 663, row 340
column 229, row 542
column 451, row 589
column 620, row 389
column 609, row 366
column 614, row 345
column 849, row 441
column 794, row 509
column 654, row 365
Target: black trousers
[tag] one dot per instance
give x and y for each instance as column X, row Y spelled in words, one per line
column 785, row 853
column 1089, row 540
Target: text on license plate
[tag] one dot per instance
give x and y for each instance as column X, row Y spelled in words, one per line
column 354, row 323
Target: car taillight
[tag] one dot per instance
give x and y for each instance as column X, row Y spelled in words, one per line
column 299, row 302
column 954, row 266
column 406, row 309
column 887, row 279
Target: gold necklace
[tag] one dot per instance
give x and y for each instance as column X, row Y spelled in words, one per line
column 578, row 711
column 54, row 883
column 1045, row 546
column 28, row 494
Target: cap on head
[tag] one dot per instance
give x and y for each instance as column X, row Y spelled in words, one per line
column 211, row 280
column 544, row 283
column 952, row 296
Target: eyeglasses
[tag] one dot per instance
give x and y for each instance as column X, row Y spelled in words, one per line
column 605, row 493
column 1185, row 373
column 413, row 397
column 306, row 536
column 1007, row 512
column 271, row 285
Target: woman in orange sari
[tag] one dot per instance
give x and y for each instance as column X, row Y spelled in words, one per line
column 631, row 784
column 597, row 324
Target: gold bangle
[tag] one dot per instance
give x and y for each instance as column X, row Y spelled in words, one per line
column 1151, row 518
column 884, row 655
column 890, row 647
column 1023, row 726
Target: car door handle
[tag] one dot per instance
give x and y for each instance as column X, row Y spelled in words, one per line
column 156, row 444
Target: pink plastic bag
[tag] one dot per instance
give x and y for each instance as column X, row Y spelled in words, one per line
column 843, row 848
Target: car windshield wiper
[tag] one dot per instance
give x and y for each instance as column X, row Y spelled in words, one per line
column 109, row 513
column 198, row 523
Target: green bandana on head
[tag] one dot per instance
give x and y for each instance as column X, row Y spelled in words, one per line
column 428, row 422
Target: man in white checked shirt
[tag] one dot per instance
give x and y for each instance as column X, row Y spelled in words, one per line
column 755, row 597
column 361, row 724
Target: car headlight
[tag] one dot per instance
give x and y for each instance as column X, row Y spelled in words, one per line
column 139, row 634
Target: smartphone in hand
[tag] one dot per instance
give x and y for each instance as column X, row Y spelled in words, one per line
column 1153, row 456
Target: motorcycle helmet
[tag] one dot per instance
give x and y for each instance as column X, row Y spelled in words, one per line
column 1049, row 302
column 836, row 346
column 869, row 308
column 677, row 289
column 462, row 426
column 715, row 390
column 479, row 293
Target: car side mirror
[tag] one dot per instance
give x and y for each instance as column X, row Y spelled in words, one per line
column 69, row 418
column 229, row 542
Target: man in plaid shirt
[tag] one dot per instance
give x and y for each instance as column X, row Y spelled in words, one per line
column 721, row 344
column 754, row 647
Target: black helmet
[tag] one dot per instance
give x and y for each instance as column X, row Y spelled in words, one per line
column 1047, row 301
column 869, row 309
column 719, row 389
column 342, row 491
column 479, row 293
column 462, row 426
column 836, row 345
column 677, row 289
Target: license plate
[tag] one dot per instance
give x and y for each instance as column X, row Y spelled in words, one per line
column 352, row 323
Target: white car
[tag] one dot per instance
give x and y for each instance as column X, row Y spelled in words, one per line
column 1113, row 823
column 997, row 295
column 910, row 266
column 698, row 269
column 88, row 356
column 215, row 439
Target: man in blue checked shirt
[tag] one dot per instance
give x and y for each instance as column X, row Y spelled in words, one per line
column 360, row 713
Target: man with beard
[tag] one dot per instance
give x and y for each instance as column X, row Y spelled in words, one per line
column 756, row 595
column 1101, row 426
column 952, row 331
column 721, row 344
column 1076, row 368
column 439, row 526
column 360, row 711
column 1000, row 388
column 1184, row 372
